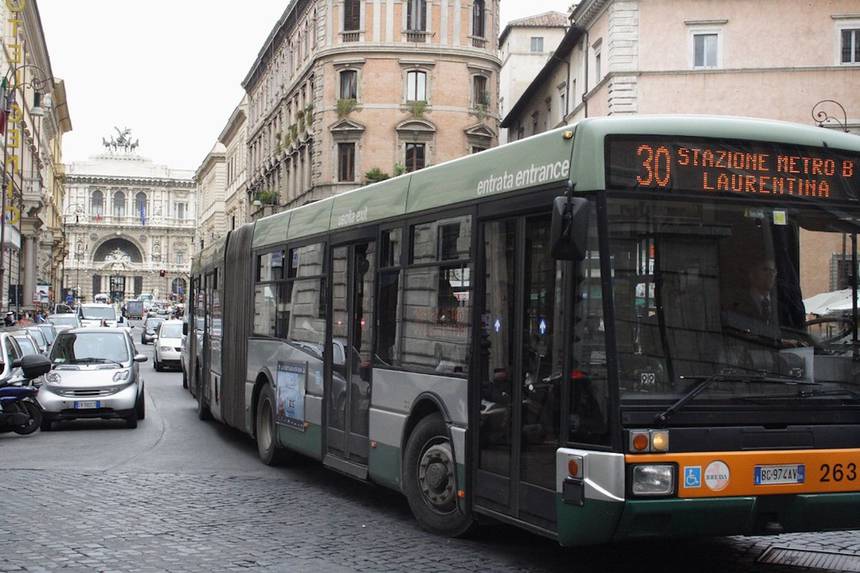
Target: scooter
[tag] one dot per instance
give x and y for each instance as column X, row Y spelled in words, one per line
column 20, row 412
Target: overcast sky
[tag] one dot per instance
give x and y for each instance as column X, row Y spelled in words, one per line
column 168, row 70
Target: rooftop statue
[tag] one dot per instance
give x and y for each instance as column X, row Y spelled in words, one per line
column 121, row 142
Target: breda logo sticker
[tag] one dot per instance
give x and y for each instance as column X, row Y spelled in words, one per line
column 717, row 476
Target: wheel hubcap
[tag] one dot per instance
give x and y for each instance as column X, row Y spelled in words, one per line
column 436, row 477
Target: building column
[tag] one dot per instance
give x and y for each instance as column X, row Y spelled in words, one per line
column 28, row 255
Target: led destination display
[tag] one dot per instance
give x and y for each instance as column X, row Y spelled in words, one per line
column 737, row 167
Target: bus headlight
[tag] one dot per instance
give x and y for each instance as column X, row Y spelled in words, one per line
column 653, row 479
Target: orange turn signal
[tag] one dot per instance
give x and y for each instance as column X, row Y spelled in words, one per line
column 641, row 442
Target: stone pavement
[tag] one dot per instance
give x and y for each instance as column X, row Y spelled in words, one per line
column 308, row 520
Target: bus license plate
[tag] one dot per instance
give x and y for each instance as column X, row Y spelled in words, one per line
column 87, row 405
column 769, row 475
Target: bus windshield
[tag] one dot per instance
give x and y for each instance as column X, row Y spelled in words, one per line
column 703, row 288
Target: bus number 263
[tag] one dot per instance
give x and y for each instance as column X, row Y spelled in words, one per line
column 838, row 472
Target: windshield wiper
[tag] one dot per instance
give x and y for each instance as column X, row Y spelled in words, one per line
column 706, row 381
column 94, row 360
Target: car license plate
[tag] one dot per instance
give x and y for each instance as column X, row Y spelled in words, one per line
column 781, row 474
column 87, row 405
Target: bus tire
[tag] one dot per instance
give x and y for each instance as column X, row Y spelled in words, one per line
column 202, row 408
column 429, row 479
column 266, row 431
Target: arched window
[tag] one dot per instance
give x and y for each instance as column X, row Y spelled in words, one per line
column 97, row 204
column 140, row 207
column 478, row 19
column 119, row 204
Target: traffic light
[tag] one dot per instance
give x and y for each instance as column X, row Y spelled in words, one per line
column 162, row 272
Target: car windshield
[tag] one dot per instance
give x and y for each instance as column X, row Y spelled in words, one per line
column 70, row 320
column 702, row 288
column 47, row 332
column 98, row 312
column 170, row 330
column 26, row 345
column 90, row 348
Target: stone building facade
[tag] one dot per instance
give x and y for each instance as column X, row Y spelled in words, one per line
column 525, row 45
column 234, row 138
column 130, row 224
column 346, row 91
column 33, row 238
column 735, row 57
column 211, row 183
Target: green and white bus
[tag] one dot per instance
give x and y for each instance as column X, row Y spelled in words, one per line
column 596, row 333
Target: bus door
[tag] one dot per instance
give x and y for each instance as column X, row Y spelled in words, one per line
column 521, row 360
column 209, row 281
column 350, row 358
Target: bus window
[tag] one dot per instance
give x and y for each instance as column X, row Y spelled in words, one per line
column 589, row 407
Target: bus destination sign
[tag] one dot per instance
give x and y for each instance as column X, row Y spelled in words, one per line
column 748, row 168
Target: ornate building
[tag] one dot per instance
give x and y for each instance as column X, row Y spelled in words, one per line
column 348, row 91
column 130, row 225
column 33, row 238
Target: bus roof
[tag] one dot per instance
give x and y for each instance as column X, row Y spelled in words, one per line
column 543, row 159
column 539, row 160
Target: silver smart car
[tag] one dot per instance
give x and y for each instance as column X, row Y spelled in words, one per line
column 95, row 375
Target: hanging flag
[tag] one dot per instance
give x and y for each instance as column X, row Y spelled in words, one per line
column 142, row 213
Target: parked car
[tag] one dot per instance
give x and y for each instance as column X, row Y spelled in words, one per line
column 40, row 338
column 150, row 326
column 63, row 322
column 95, row 375
column 26, row 342
column 11, row 351
column 168, row 345
column 49, row 331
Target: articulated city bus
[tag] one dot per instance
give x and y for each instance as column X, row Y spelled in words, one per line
column 597, row 333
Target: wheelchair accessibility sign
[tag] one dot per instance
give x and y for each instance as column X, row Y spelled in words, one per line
column 693, row 476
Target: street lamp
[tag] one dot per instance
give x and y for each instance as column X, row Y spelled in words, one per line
column 8, row 87
column 822, row 116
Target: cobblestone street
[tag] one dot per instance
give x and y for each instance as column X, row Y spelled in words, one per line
column 182, row 495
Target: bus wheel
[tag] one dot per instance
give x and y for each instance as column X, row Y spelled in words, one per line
column 202, row 409
column 266, row 430
column 430, row 480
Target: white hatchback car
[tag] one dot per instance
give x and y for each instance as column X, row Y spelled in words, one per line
column 168, row 345
column 95, row 375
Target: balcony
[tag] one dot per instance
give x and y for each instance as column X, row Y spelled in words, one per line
column 352, row 36
column 479, row 42
column 417, row 36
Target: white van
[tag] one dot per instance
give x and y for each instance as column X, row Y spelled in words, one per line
column 98, row 314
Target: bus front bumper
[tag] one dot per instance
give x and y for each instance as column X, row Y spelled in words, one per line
column 604, row 521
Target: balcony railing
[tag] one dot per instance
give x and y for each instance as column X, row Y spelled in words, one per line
column 479, row 42
column 351, row 36
column 155, row 221
column 418, row 36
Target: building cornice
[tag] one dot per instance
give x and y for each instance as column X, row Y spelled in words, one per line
column 270, row 43
column 119, row 180
column 238, row 118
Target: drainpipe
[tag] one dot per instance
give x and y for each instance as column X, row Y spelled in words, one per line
column 585, row 87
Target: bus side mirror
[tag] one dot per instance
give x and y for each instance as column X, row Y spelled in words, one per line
column 569, row 229
column 184, row 329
